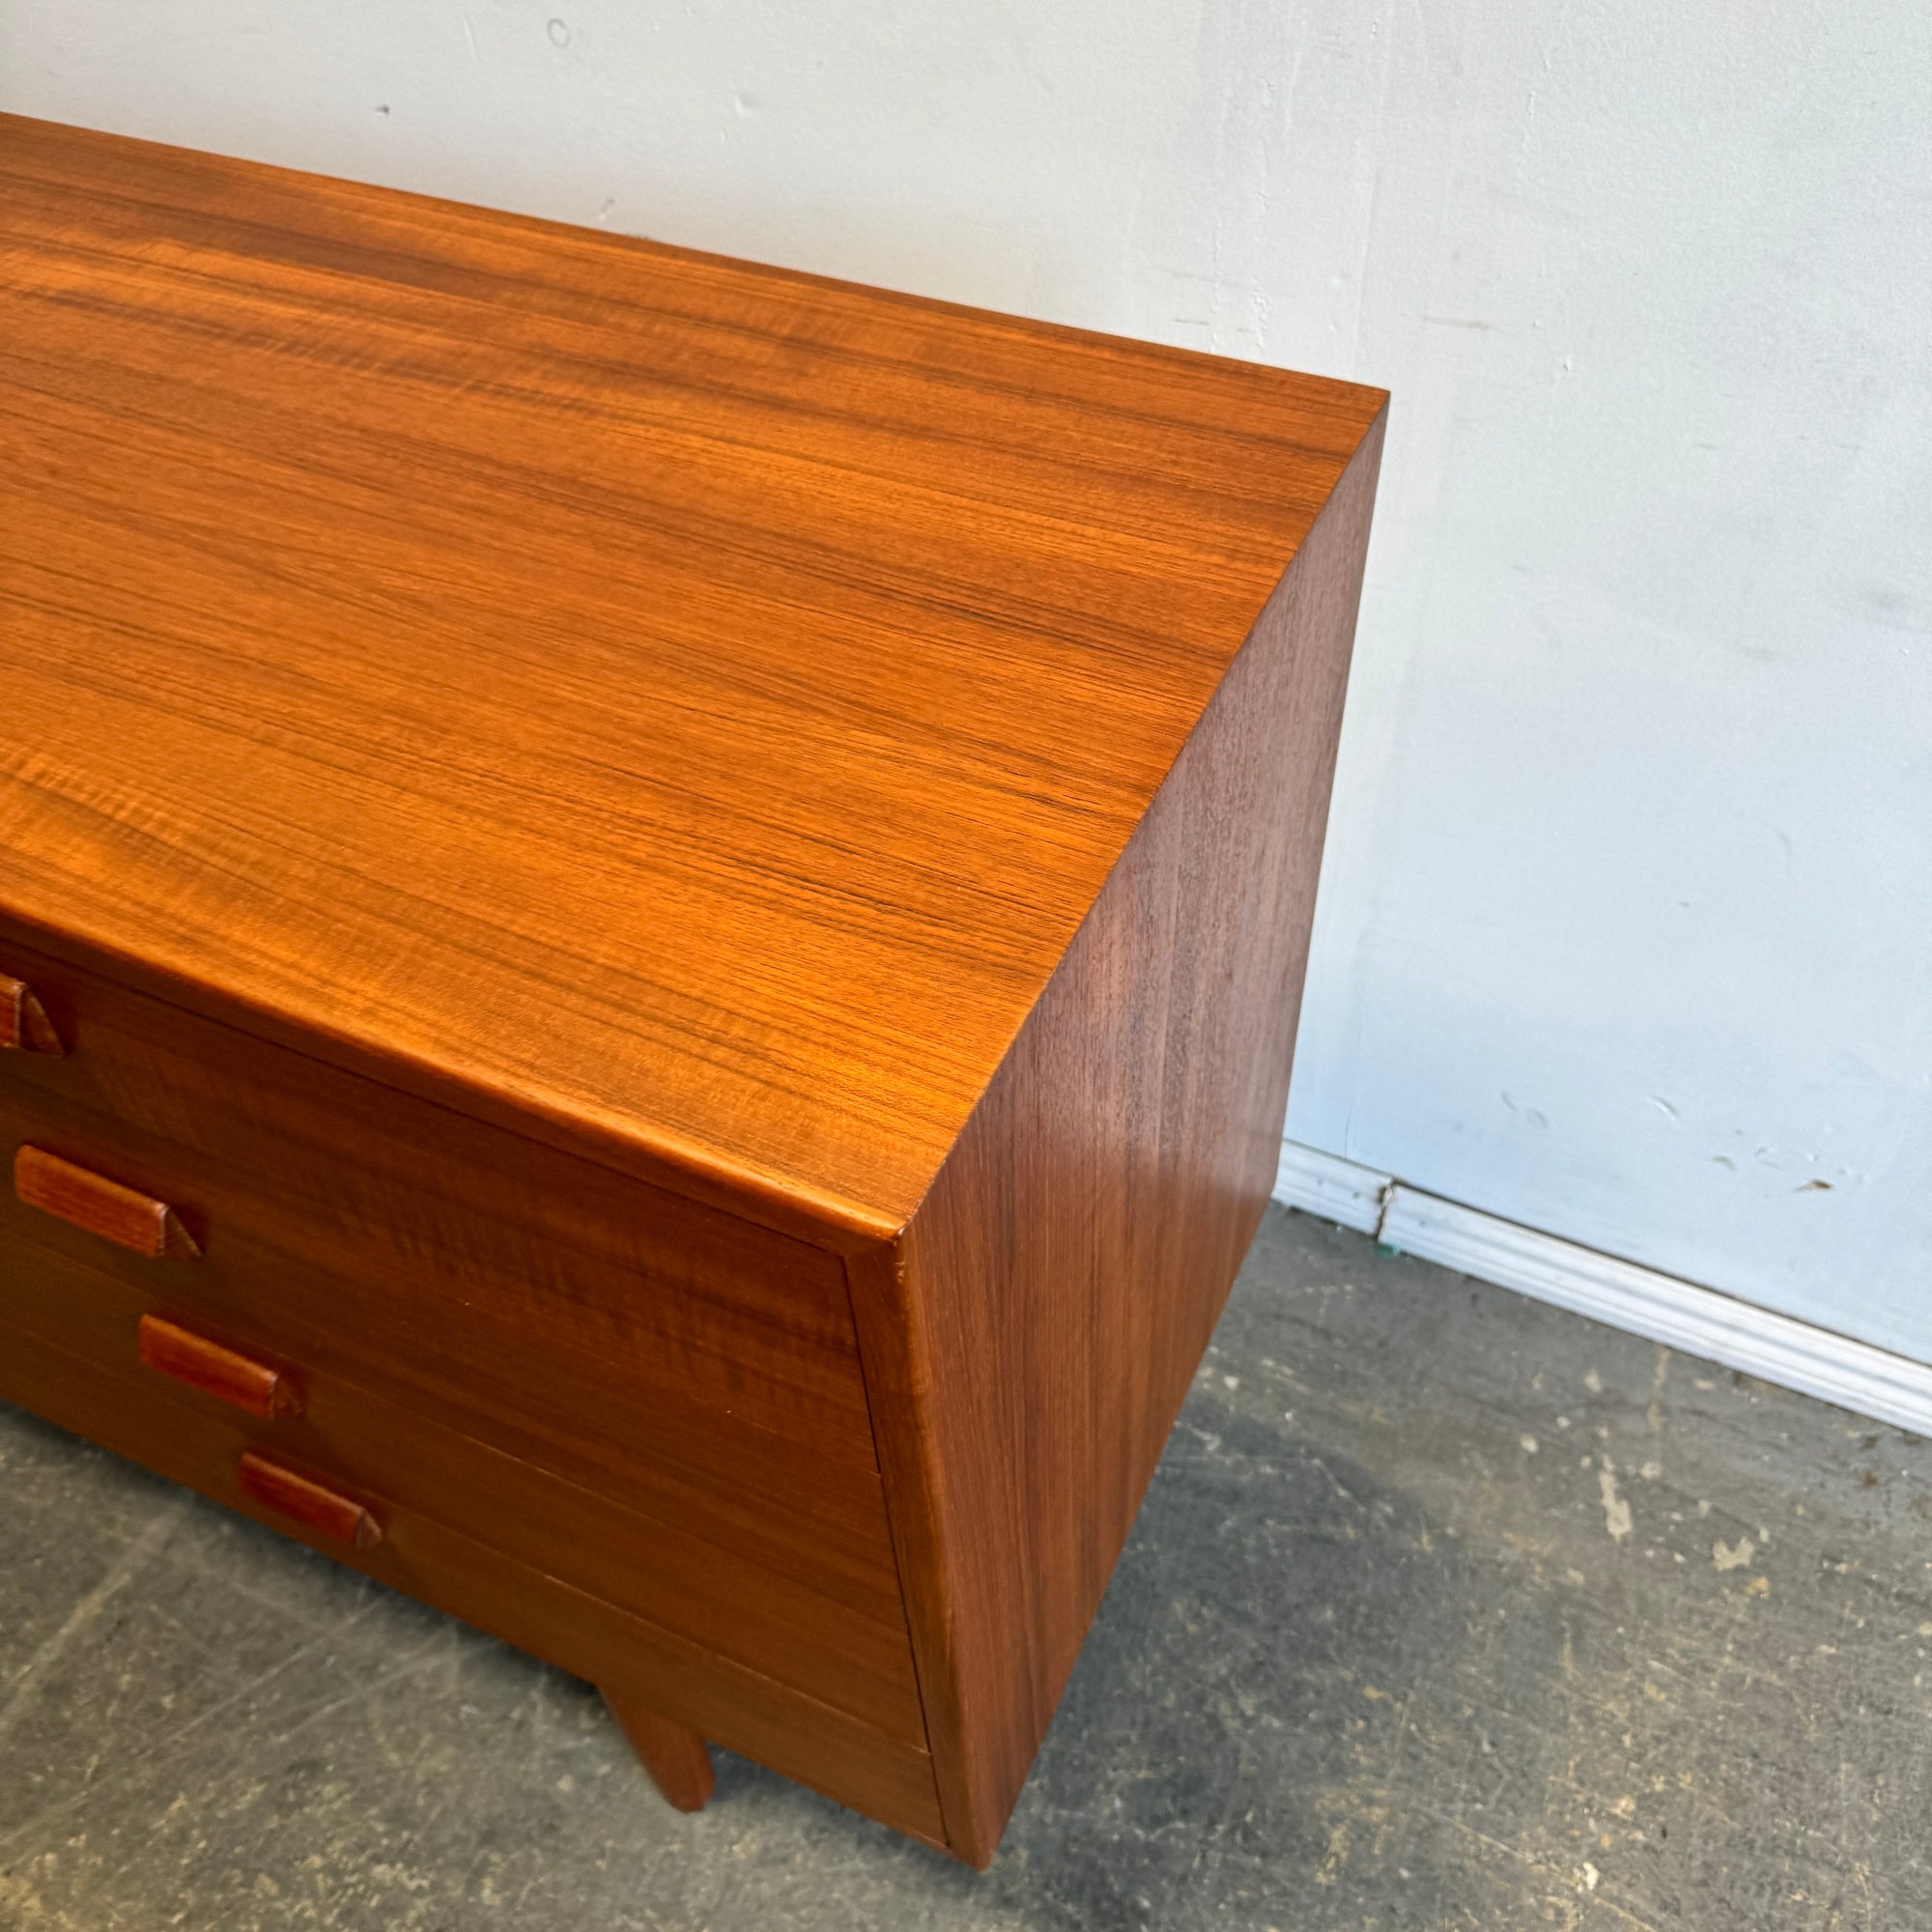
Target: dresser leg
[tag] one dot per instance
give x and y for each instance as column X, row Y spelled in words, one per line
column 673, row 1753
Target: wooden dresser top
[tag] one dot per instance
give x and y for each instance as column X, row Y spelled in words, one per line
column 690, row 703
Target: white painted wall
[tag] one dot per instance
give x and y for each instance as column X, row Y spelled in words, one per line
column 1627, row 926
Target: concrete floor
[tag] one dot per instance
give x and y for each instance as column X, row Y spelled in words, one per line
column 1444, row 1610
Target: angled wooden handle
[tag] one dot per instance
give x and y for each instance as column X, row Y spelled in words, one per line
column 101, row 1207
column 23, row 1020
column 218, row 1369
column 305, row 1499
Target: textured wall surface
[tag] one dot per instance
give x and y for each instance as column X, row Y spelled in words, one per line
column 1626, row 916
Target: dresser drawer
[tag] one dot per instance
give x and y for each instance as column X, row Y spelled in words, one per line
column 525, row 1293
column 624, row 1654
column 667, row 1558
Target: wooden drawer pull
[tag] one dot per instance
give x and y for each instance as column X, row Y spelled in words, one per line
column 101, row 1207
column 304, row 1501
column 23, row 1020
column 216, row 1370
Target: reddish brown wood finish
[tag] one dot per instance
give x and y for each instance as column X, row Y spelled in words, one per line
column 735, row 812
column 306, row 1499
column 419, row 1249
column 97, row 1206
column 673, row 1753
column 631, row 1658
column 695, row 882
column 24, row 1021
column 807, row 1594
column 228, row 1375
column 1031, row 1337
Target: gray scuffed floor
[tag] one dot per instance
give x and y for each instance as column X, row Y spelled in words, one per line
column 1444, row 1610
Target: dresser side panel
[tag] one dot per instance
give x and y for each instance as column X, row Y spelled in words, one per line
column 1029, row 1340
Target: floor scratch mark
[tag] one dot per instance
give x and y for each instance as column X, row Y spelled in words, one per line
column 124, row 1568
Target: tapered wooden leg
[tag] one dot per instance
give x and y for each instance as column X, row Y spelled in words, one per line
column 673, row 1753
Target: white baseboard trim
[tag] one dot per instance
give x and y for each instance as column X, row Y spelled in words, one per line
column 1336, row 1189
column 1681, row 1313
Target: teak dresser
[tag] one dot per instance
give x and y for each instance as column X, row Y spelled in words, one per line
column 651, row 920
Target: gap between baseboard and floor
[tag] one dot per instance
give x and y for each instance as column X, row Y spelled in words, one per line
column 1681, row 1313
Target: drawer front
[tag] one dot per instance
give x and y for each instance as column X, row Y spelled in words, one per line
column 665, row 1558
column 220, row 1452
column 437, row 1258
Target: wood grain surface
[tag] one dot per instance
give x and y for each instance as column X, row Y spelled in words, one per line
column 25, row 1025
column 674, row 1754
column 309, row 1498
column 438, row 1256
column 695, row 882
column 1030, row 1340
column 216, row 1369
column 793, row 1603
column 629, row 1657
column 101, row 1207
column 691, row 706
